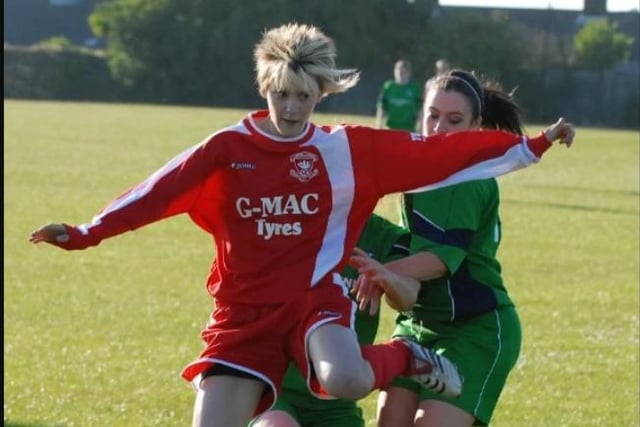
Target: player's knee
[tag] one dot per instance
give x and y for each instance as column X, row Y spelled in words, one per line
column 348, row 385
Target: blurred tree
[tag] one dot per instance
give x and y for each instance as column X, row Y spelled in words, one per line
column 598, row 45
column 200, row 51
column 177, row 51
column 57, row 43
column 492, row 47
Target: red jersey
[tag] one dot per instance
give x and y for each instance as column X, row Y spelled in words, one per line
column 287, row 212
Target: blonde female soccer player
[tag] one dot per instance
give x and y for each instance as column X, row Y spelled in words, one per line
column 285, row 200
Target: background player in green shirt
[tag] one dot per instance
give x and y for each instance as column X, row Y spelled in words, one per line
column 296, row 406
column 399, row 104
column 463, row 310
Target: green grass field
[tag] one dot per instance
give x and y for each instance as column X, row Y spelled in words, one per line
column 98, row 337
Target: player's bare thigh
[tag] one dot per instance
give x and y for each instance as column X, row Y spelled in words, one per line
column 226, row 401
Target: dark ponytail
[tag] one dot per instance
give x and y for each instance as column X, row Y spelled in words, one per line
column 501, row 110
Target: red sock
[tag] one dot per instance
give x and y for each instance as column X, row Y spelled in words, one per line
column 387, row 360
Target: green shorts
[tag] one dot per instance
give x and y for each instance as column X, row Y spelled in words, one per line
column 321, row 413
column 485, row 349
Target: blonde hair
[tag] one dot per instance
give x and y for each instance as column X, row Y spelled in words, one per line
column 294, row 56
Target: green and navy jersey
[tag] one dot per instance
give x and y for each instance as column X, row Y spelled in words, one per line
column 461, row 225
column 383, row 241
column 401, row 104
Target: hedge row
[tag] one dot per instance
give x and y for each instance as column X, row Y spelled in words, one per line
column 59, row 74
column 79, row 74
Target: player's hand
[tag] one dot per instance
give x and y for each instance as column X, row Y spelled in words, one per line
column 50, row 233
column 365, row 291
column 561, row 130
column 373, row 280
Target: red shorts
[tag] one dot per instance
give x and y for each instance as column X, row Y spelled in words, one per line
column 263, row 339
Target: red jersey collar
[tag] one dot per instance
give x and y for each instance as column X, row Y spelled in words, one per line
column 271, row 140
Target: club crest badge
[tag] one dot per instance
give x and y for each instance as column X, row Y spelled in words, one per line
column 304, row 166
